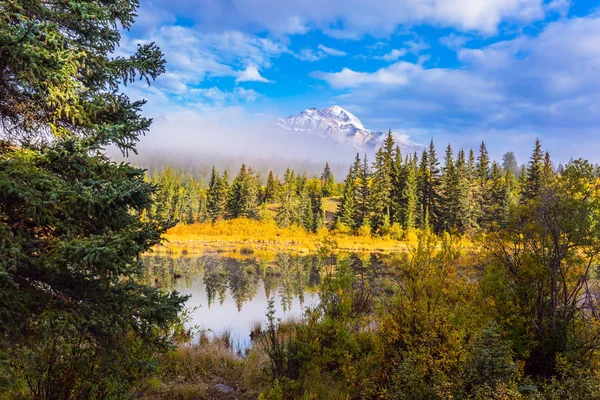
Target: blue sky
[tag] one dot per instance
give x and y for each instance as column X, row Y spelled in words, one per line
column 458, row 71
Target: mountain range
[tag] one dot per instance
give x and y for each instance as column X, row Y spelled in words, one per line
column 334, row 123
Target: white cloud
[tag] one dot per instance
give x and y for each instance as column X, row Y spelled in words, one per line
column 192, row 56
column 453, row 41
column 331, row 52
column 250, row 74
column 307, row 54
column 544, row 85
column 295, row 26
column 393, row 55
column 396, row 74
column 221, row 98
column 416, row 46
column 358, row 17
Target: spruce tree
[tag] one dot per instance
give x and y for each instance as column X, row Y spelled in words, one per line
column 468, row 211
column 410, row 195
column 243, row 195
column 497, row 194
column 76, row 321
column 475, row 201
column 535, row 173
column 548, row 170
column 346, row 212
column 381, row 190
column 424, row 180
column 450, row 193
column 483, row 163
column 289, row 210
column 214, row 202
column 271, row 189
column 511, row 197
column 328, row 181
column 509, row 163
column 363, row 191
column 432, row 197
column 305, row 216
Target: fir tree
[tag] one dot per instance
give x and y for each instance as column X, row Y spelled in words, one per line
column 497, row 194
column 482, row 194
column 432, row 196
column 483, row 164
column 509, row 163
column 548, row 170
column 306, row 216
column 362, row 192
column 289, row 211
column 76, row 322
column 463, row 200
column 396, row 199
column 243, row 195
column 346, row 212
column 381, row 189
column 214, row 202
column 271, row 189
column 328, row 181
column 450, row 193
column 535, row 173
column 410, row 195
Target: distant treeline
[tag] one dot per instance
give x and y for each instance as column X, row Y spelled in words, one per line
column 398, row 192
column 183, row 199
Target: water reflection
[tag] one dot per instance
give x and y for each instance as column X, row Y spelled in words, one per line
column 232, row 294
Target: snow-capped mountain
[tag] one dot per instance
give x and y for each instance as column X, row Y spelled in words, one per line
column 334, row 123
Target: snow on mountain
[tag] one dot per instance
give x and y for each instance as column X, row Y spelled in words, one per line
column 334, row 123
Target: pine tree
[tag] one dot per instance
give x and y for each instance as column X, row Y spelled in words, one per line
column 497, row 194
column 548, row 170
column 535, row 173
column 450, row 193
column 271, row 189
column 511, row 197
column 363, row 191
column 463, row 200
column 224, row 188
column 410, row 195
column 306, row 216
column 316, row 201
column 482, row 194
column 382, row 186
column 328, row 181
column 214, row 203
column 346, row 212
column 397, row 186
column 483, row 164
column 289, row 210
column 509, row 163
column 472, row 189
column 243, row 195
column 76, row 321
column 432, row 197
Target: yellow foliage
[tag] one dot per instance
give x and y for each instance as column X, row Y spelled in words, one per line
column 266, row 236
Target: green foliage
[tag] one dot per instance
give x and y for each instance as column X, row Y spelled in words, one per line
column 244, row 195
column 58, row 75
column 550, row 246
column 74, row 320
column 71, row 234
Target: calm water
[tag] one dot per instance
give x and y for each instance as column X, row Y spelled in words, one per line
column 233, row 294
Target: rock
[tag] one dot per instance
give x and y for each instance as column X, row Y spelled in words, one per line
column 223, row 388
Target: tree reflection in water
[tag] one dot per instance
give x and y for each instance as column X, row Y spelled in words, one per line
column 290, row 277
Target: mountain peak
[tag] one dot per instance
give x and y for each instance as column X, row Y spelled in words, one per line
column 335, row 123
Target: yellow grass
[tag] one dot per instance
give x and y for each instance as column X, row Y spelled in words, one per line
column 246, row 236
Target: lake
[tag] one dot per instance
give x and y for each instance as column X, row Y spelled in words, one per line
column 232, row 293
